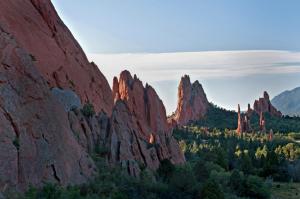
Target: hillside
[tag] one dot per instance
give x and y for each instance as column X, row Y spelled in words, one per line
column 288, row 102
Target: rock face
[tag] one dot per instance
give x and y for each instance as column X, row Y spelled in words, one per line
column 192, row 102
column 67, row 98
column 57, row 55
column 36, row 145
column 264, row 105
column 243, row 122
column 44, row 136
column 261, row 106
column 139, row 130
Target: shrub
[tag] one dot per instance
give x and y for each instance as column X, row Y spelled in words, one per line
column 256, row 188
column 166, row 170
column 211, row 190
column 88, row 110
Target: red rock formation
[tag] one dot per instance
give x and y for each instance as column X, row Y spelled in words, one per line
column 139, row 118
column 271, row 135
column 192, row 102
column 59, row 58
column 243, row 122
column 36, row 144
column 264, row 105
column 262, row 122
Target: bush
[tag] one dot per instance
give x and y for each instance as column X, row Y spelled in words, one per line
column 166, row 170
column 256, row 188
column 88, row 110
column 211, row 190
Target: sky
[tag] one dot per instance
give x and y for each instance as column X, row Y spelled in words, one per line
column 236, row 49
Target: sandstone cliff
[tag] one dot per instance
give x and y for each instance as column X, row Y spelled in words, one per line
column 139, row 126
column 36, row 145
column 44, row 134
column 59, row 58
column 192, row 102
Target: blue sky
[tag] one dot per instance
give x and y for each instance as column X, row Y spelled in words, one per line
column 110, row 29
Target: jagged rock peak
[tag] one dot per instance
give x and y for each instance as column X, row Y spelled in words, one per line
column 264, row 105
column 243, row 122
column 138, row 122
column 59, row 58
column 192, row 102
column 142, row 101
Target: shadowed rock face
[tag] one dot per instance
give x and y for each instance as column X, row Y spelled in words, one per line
column 36, row 145
column 59, row 58
column 39, row 140
column 192, row 102
column 263, row 105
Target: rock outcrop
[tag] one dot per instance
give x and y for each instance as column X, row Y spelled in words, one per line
column 139, row 130
column 263, row 105
column 192, row 102
column 243, row 122
column 262, row 122
column 36, row 145
column 59, row 58
column 260, row 107
column 44, row 136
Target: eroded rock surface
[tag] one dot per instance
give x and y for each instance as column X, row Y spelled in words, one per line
column 59, row 58
column 36, row 145
column 192, row 102
column 264, row 105
column 139, row 129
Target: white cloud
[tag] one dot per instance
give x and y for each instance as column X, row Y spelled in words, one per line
column 152, row 67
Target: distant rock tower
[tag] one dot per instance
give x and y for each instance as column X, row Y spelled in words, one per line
column 243, row 122
column 271, row 135
column 262, row 123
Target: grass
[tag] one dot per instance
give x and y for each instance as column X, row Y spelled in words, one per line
column 286, row 191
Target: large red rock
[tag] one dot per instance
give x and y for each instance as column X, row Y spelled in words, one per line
column 263, row 105
column 192, row 102
column 59, row 58
column 36, row 142
column 139, row 128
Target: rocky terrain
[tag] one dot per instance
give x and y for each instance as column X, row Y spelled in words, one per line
column 192, row 102
column 260, row 107
column 288, row 102
column 56, row 108
column 58, row 57
column 263, row 105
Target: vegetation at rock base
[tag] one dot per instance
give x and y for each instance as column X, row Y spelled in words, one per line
column 222, row 119
column 220, row 164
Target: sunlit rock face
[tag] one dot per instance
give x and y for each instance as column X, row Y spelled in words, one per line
column 139, row 129
column 45, row 79
column 263, row 105
column 192, row 102
column 58, row 57
column 243, row 121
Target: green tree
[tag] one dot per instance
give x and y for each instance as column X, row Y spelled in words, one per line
column 211, row 190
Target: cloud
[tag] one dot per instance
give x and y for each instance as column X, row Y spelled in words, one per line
column 152, row 67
